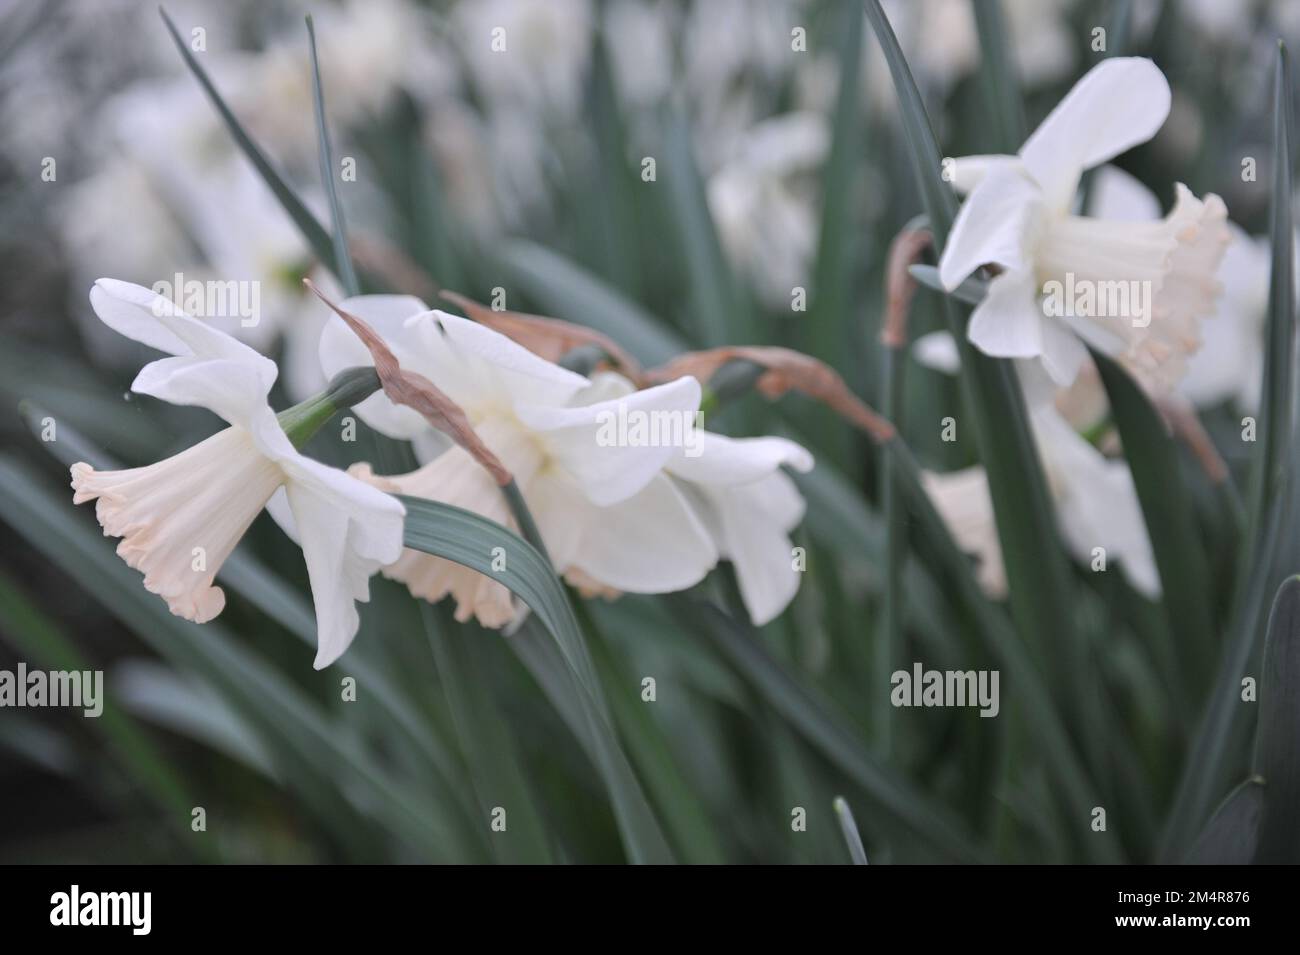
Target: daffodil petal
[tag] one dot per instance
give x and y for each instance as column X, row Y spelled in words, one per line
column 1063, row 352
column 613, row 448
column 992, row 226
column 1118, row 104
column 341, row 349
column 732, row 461
column 1097, row 504
column 753, row 523
column 347, row 531
column 487, row 361
column 651, row 543
column 209, row 368
column 1008, row 323
column 1120, row 196
column 231, row 389
column 937, row 351
column 147, row 317
column 967, row 172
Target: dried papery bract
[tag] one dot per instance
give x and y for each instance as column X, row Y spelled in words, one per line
column 905, row 250
column 415, row 391
column 549, row 338
column 784, row 370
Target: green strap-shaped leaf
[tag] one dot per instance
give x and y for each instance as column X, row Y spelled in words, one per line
column 461, row 654
column 1232, row 833
column 1180, row 557
column 307, row 747
column 684, row 814
column 849, row 826
column 39, row 639
column 830, row 326
column 1277, row 753
column 1043, row 718
column 342, row 256
column 889, row 639
column 998, row 76
column 931, row 823
column 638, row 827
column 1217, row 752
column 714, row 294
column 472, row 540
column 940, row 204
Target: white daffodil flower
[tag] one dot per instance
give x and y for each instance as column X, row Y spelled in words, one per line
column 179, row 519
column 1094, row 498
column 749, row 506
column 1137, row 290
column 762, row 203
column 1084, row 403
column 1095, row 501
column 611, row 519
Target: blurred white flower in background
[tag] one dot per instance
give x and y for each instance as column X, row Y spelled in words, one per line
column 525, row 57
column 764, row 202
column 516, row 103
column 963, row 500
column 735, row 54
column 639, row 34
column 1093, row 495
column 1017, row 216
column 941, row 43
column 191, row 189
column 179, row 519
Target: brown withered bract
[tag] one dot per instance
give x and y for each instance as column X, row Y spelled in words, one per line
column 784, row 370
column 416, row 391
column 900, row 285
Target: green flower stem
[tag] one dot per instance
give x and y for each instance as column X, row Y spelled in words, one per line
column 889, row 645
column 347, row 388
column 524, row 517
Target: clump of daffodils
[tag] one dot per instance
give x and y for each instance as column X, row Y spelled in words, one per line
column 628, row 493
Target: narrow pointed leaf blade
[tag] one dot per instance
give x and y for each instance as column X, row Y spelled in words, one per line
column 1216, row 754
column 345, row 271
column 315, row 234
column 470, row 540
column 1277, row 755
